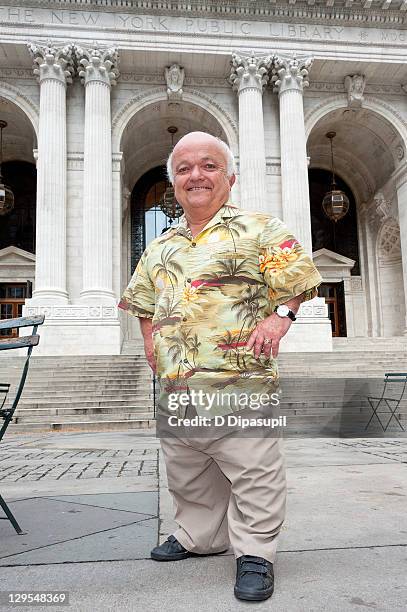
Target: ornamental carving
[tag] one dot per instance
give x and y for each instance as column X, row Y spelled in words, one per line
column 290, row 72
column 355, row 87
column 52, row 62
column 249, row 72
column 377, row 211
column 389, row 240
column 75, row 312
column 174, row 77
column 97, row 64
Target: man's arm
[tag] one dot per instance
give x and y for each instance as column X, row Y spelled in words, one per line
column 146, row 330
column 273, row 328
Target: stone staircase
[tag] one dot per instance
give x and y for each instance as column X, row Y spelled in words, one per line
column 81, row 393
column 116, row 392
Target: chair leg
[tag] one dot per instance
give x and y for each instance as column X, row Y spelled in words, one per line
column 10, row 516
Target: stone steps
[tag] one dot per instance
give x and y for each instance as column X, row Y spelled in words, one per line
column 104, row 393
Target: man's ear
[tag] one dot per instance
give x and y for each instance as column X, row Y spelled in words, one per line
column 232, row 180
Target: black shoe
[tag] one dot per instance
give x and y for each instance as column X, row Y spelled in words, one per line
column 254, row 578
column 170, row 550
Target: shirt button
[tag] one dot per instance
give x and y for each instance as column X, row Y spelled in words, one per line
column 184, row 319
column 193, row 244
column 188, row 280
column 185, row 360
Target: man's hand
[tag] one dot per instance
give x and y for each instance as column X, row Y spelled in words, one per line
column 267, row 335
column 146, row 330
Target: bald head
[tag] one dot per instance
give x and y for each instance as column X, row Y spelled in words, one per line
column 200, row 139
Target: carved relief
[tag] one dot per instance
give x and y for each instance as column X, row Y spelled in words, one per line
column 74, row 312
column 174, row 77
column 389, row 240
column 355, row 86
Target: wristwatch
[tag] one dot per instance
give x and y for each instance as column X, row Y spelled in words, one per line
column 284, row 311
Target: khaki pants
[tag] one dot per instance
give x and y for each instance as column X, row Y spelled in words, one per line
column 227, row 491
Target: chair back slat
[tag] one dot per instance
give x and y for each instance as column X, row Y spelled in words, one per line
column 16, row 343
column 395, row 377
column 22, row 322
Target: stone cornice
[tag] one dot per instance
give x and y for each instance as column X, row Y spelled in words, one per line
column 377, row 12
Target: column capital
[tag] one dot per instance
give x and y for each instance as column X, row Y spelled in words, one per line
column 51, row 62
column 249, row 71
column 97, row 64
column 290, row 72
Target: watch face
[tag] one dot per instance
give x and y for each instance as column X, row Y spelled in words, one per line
column 283, row 310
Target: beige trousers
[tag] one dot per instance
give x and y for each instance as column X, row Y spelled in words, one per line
column 229, row 491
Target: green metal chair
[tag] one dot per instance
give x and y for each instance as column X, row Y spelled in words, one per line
column 6, row 413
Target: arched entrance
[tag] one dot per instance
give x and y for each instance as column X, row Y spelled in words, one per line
column 367, row 150
column 146, row 144
column 17, row 227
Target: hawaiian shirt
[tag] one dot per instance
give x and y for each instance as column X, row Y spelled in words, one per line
column 206, row 294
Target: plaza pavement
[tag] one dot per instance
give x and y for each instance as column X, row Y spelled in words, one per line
column 94, row 504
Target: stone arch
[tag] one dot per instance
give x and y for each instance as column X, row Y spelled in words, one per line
column 381, row 108
column 23, row 102
column 145, row 98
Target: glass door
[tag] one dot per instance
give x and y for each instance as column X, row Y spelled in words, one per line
column 12, row 298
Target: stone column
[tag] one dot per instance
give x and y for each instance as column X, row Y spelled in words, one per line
column 400, row 181
column 290, row 74
column 98, row 73
column 249, row 75
column 53, row 68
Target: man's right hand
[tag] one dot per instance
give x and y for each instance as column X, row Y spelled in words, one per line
column 149, row 353
column 146, row 327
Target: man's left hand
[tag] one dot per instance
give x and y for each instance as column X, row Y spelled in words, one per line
column 267, row 335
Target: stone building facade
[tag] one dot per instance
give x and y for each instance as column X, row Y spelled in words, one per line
column 89, row 90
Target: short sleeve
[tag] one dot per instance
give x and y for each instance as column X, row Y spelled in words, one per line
column 287, row 269
column 138, row 299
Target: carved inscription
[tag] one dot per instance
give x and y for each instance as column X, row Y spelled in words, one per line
column 167, row 24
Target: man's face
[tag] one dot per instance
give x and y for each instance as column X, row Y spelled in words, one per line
column 200, row 177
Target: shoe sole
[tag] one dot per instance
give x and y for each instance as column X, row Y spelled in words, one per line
column 182, row 556
column 246, row 596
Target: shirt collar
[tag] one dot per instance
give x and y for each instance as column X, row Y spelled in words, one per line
column 227, row 211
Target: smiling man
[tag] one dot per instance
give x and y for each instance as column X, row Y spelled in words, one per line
column 215, row 295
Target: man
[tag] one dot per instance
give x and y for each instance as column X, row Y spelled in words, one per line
column 215, row 295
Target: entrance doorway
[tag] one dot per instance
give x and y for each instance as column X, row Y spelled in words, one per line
column 148, row 220
column 12, row 299
column 334, row 295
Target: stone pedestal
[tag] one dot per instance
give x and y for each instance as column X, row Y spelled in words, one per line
column 311, row 332
column 248, row 77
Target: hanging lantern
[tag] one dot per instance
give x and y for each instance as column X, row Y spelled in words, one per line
column 335, row 203
column 6, row 195
column 168, row 202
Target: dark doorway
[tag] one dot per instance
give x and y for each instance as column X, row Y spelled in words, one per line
column 12, row 299
column 17, row 228
column 148, row 221
column 342, row 236
column 334, row 295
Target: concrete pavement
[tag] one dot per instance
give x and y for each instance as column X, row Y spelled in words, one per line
column 93, row 505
